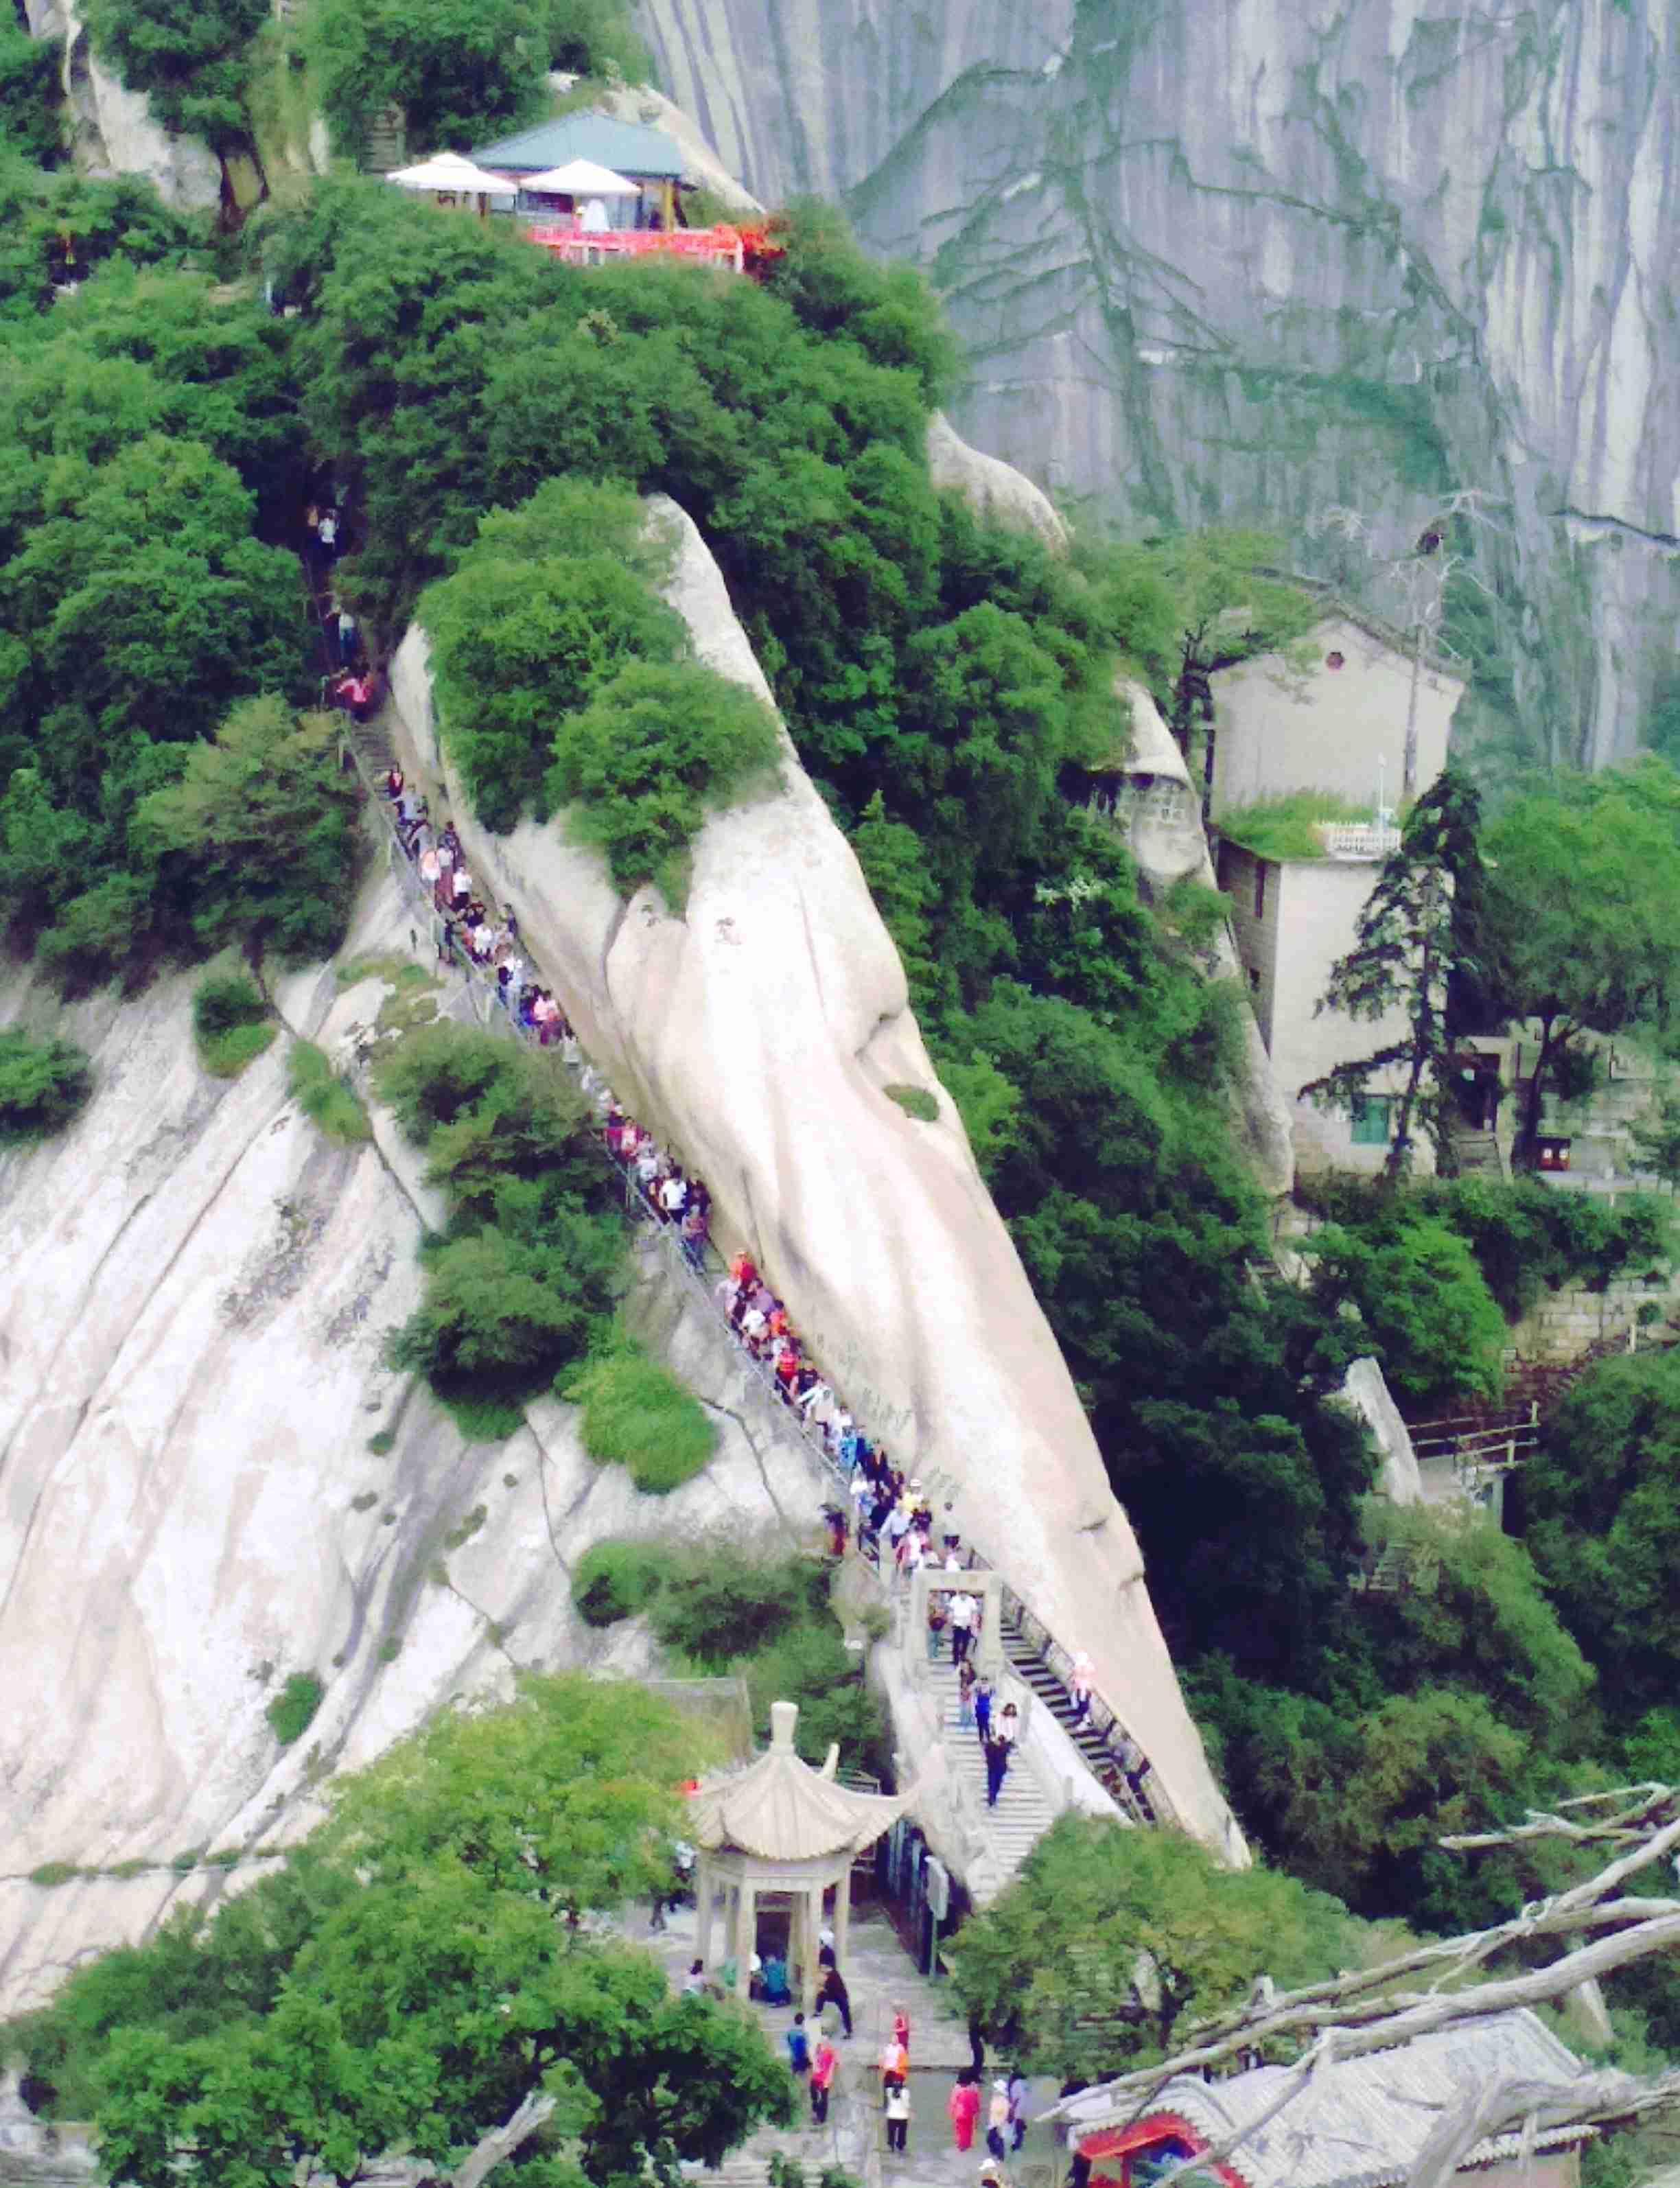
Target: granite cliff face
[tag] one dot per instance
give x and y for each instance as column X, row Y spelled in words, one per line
column 767, row 1068
column 209, row 1481
column 1228, row 261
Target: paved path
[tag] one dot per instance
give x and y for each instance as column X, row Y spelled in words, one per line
column 880, row 1975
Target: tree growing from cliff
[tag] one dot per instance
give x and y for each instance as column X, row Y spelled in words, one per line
column 256, row 842
column 190, row 57
column 1110, row 1940
column 1580, row 929
column 463, row 71
column 1408, row 942
column 44, row 1085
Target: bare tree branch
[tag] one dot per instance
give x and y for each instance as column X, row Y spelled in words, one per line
column 533, row 2108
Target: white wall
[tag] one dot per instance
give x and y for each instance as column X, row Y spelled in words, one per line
column 1275, row 732
column 1307, row 921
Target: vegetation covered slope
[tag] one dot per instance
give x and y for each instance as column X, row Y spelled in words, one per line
column 938, row 677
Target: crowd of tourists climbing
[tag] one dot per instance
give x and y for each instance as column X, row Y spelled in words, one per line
column 886, row 1511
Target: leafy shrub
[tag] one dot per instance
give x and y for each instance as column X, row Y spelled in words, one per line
column 916, row 1101
column 522, row 639
column 438, row 1072
column 615, row 1580
column 191, row 62
column 532, row 1262
column 30, row 102
column 230, row 1022
column 1432, row 1321
column 1527, row 1237
column 637, row 1414
column 258, row 840
column 43, row 1084
column 719, row 1604
column 53, row 1872
column 292, row 1711
column 324, row 1098
column 506, row 1315
column 639, row 769
column 810, row 1663
column 462, row 71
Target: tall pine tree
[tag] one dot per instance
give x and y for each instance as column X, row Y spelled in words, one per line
column 1406, row 945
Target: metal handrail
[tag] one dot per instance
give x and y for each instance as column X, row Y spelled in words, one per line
column 1103, row 1719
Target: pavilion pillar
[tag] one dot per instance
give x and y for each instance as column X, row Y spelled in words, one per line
column 810, row 1909
column 746, row 1937
column 843, row 1916
column 704, row 1886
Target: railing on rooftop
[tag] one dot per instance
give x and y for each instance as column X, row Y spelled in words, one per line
column 1124, row 1766
column 722, row 245
column 1359, row 839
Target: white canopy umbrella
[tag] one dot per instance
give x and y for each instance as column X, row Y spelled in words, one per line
column 452, row 171
column 581, row 178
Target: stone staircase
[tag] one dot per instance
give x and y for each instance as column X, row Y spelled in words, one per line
column 1022, row 1815
column 1477, row 1151
column 1030, row 1668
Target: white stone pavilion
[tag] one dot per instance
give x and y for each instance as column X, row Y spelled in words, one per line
column 782, row 1834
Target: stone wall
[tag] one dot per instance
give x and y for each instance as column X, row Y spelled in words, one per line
column 1564, row 1324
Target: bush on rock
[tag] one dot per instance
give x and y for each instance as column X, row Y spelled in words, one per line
column 637, row 1414
column 615, row 1580
column 231, row 1023
column 639, row 769
column 42, row 1086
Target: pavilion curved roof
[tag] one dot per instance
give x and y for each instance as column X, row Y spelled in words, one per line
column 781, row 1809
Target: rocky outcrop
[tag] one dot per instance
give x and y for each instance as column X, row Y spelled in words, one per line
column 209, row 1479
column 1161, row 812
column 758, row 1034
column 114, row 131
column 1242, row 262
column 994, row 490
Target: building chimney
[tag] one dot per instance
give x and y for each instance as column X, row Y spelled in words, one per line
column 784, row 1716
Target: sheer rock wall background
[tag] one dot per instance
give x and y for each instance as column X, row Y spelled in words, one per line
column 1235, row 261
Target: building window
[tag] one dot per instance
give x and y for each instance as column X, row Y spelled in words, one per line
column 1332, row 661
column 1253, row 978
column 1259, row 890
column 1371, row 1120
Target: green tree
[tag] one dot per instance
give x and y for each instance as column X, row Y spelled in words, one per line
column 417, row 1979
column 525, row 635
column 1603, row 1500
column 1581, row 927
column 569, row 1795
column 1406, row 948
column 1361, row 1803
column 30, row 102
column 43, row 1086
column 905, row 895
column 533, row 1263
column 462, row 71
column 256, row 843
column 1110, row 1940
column 190, row 57
column 1187, row 607
column 983, row 733
column 639, row 769
column 1432, row 1320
